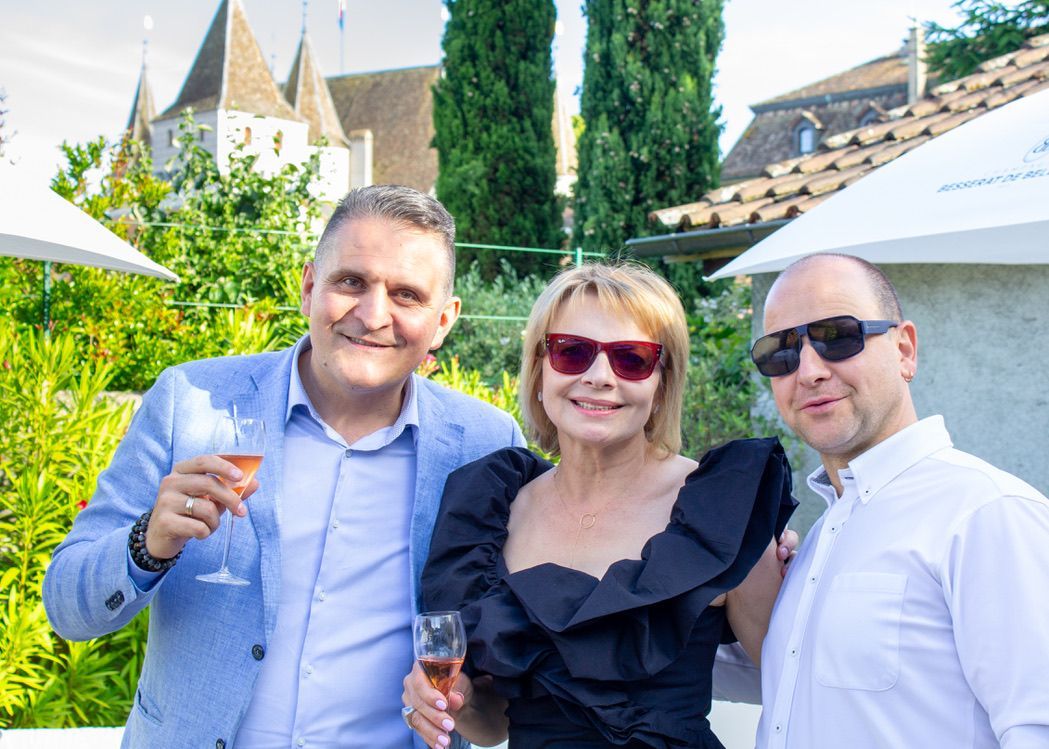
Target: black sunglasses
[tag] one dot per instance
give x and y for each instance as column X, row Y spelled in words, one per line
column 833, row 338
column 573, row 354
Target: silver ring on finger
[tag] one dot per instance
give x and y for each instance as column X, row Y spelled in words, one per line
column 190, row 501
column 408, row 713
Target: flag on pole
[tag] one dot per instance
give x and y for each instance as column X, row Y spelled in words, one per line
column 342, row 13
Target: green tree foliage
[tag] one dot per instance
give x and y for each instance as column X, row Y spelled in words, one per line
column 651, row 137
column 987, row 29
column 202, row 223
column 493, row 114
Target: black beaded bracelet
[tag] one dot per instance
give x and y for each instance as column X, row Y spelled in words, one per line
column 136, row 544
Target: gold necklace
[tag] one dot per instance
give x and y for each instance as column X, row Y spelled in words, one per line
column 587, row 520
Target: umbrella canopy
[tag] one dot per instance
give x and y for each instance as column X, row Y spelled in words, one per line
column 38, row 224
column 976, row 194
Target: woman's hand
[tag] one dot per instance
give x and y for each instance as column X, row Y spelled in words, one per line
column 787, row 549
column 434, row 716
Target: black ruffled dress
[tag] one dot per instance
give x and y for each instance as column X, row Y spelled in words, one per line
column 624, row 661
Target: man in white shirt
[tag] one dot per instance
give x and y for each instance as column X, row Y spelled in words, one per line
column 915, row 612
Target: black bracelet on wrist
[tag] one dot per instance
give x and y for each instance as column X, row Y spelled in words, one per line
column 136, row 544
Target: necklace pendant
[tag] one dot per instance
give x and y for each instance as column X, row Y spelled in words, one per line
column 587, row 520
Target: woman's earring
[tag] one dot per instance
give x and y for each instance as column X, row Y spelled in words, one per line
column 539, row 396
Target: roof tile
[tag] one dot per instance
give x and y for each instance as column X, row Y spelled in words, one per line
column 797, row 185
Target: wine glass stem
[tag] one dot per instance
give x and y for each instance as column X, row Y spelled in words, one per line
column 225, row 548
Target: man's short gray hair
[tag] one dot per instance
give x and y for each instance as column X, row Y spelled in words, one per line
column 402, row 206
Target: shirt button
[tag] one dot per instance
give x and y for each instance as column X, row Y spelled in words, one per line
column 258, row 652
column 834, row 529
column 812, row 579
column 220, row 744
column 348, row 454
column 793, row 652
column 335, row 523
column 322, row 595
column 309, row 670
column 301, row 742
column 779, row 728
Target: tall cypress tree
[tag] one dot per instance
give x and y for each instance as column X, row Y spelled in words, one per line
column 651, row 137
column 493, row 112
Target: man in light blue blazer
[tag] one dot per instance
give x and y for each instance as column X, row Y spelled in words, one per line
column 335, row 528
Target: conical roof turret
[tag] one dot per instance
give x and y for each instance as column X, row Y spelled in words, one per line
column 307, row 92
column 230, row 71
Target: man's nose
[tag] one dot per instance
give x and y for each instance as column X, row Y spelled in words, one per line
column 373, row 310
column 811, row 366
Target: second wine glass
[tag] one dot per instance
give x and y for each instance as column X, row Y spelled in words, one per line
column 440, row 647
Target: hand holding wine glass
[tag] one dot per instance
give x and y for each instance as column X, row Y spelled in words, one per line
column 440, row 647
column 241, row 441
column 439, row 640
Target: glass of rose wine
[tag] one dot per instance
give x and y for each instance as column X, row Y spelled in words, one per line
column 241, row 441
column 440, row 647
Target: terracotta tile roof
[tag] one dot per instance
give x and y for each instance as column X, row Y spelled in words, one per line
column 307, row 91
column 230, row 71
column 834, row 105
column 142, row 112
column 888, row 70
column 397, row 106
column 791, row 187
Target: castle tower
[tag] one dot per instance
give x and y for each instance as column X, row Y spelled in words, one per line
column 230, row 89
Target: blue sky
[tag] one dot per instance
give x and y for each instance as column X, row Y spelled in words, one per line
column 70, row 68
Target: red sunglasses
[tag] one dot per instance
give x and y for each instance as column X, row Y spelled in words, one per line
column 574, row 354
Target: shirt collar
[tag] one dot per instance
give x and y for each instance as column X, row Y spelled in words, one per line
column 297, row 396
column 875, row 468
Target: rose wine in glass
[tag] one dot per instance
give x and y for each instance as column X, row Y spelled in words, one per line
column 241, row 441
column 440, row 647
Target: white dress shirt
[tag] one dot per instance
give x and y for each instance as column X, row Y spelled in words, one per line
column 332, row 674
column 917, row 611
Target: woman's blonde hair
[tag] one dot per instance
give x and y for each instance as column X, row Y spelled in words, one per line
column 635, row 292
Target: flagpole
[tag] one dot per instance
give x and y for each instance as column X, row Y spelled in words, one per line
column 342, row 36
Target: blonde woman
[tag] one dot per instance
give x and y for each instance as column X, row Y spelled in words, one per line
column 595, row 593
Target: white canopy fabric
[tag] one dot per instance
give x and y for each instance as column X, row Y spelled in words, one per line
column 38, row 224
column 976, row 194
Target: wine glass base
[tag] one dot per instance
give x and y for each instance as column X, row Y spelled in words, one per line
column 223, row 577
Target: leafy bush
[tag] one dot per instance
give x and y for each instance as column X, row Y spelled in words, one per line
column 234, row 236
column 59, row 432
column 491, row 346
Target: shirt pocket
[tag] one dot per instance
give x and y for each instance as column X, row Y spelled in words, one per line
column 857, row 635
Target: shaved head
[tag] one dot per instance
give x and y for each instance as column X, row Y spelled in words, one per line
column 878, row 283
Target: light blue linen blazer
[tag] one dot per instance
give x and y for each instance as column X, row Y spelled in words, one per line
column 207, row 642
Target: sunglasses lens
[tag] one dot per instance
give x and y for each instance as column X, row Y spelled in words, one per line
column 836, row 338
column 777, row 354
column 570, row 355
column 633, row 361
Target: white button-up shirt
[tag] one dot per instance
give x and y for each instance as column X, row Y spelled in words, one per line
column 332, row 673
column 917, row 611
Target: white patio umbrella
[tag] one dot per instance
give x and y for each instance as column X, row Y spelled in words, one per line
column 38, row 224
column 976, row 194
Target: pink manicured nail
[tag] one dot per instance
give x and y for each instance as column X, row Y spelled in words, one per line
column 448, row 724
column 442, row 705
column 443, row 740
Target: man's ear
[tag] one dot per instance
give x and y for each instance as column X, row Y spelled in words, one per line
column 306, row 293
column 907, row 345
column 449, row 314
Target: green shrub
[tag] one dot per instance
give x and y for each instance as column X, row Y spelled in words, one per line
column 59, row 431
column 491, row 346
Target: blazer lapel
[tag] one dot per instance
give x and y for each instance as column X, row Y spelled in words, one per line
column 438, row 452
column 271, row 389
